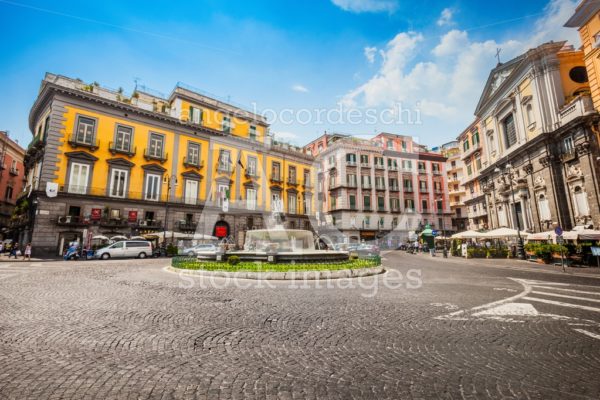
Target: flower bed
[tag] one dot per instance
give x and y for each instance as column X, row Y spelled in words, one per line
column 244, row 266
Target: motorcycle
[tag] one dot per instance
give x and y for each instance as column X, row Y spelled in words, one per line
column 72, row 253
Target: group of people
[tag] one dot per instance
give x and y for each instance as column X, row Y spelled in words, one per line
column 14, row 250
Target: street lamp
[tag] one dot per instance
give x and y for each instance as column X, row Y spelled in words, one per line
column 441, row 211
column 520, row 246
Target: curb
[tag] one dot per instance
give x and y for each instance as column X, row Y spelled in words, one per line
column 283, row 276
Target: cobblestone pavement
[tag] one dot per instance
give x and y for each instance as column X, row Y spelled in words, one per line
column 130, row 329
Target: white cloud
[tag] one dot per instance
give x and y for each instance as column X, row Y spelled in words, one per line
column 285, row 136
column 299, row 88
column 446, row 17
column 361, row 6
column 370, row 53
column 445, row 81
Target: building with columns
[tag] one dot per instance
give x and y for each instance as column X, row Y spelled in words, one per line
column 539, row 142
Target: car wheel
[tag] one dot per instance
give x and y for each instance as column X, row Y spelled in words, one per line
column 191, row 254
column 142, row 255
column 105, row 256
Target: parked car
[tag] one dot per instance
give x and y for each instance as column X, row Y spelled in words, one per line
column 124, row 249
column 201, row 251
column 367, row 250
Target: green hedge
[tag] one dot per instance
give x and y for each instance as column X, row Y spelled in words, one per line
column 195, row 264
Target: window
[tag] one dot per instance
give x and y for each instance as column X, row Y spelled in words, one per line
column 351, row 159
column 568, row 145
column 191, row 191
column 424, row 205
column 226, row 124
column 352, row 201
column 390, row 144
column 193, row 154
column 252, row 132
column 118, row 183
column 409, row 205
column 276, row 171
column 466, row 145
column 292, row 202
column 403, row 145
column 380, row 182
column 123, row 138
column 544, row 207
column 394, row 204
column 195, row 115
column 423, row 185
column 435, row 167
column 9, row 193
column 152, row 190
column 393, row 183
column 222, row 194
column 224, row 160
column 367, row 221
column 291, row 174
column 251, row 199
column 351, row 180
column 364, row 159
column 78, row 181
column 510, row 133
column 46, row 127
column 276, row 205
column 421, row 166
column 333, row 202
column 366, row 181
column 469, row 169
column 475, row 138
column 331, row 161
column 581, row 202
column 529, row 112
column 85, row 130
column 306, row 177
column 307, row 205
column 408, row 184
column 492, row 143
column 407, row 165
column 380, row 203
column 157, row 143
column 251, row 166
column 379, row 161
column 478, row 163
column 367, row 202
column 320, row 148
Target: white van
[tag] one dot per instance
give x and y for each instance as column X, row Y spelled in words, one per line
column 125, row 248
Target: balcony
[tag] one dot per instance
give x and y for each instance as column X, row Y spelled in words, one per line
column 392, row 167
column 292, row 181
column 250, row 174
column 422, row 171
column 186, row 226
column 569, row 155
column 381, row 209
column 351, row 163
column 475, row 148
column 113, row 149
column 408, row 189
column 437, row 172
column 72, row 220
column 394, row 188
column 366, row 186
column 409, row 210
column 151, row 155
column 379, row 166
column 75, row 142
column 365, row 165
column 351, row 184
column 13, row 171
column 423, row 190
column 114, row 222
column 578, row 107
column 380, row 187
column 437, row 191
column 192, row 163
column 307, row 184
column 148, row 224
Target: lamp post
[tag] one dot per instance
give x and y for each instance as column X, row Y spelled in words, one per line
column 171, row 181
column 520, row 252
column 441, row 211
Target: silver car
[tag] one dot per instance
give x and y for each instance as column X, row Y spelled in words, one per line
column 201, row 250
column 124, row 249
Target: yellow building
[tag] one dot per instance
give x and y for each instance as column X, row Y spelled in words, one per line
column 102, row 163
column 586, row 19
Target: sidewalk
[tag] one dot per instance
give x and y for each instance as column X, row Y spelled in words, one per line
column 592, row 272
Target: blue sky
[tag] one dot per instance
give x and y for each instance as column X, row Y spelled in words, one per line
column 431, row 57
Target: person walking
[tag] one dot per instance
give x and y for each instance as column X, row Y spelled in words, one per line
column 13, row 250
column 27, row 253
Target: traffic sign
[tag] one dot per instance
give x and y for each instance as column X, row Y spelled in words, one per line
column 558, row 230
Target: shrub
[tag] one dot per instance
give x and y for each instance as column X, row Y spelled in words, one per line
column 233, row 260
column 171, row 250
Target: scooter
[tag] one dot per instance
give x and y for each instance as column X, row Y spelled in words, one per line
column 72, row 253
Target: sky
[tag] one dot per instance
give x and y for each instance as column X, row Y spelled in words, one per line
column 350, row 66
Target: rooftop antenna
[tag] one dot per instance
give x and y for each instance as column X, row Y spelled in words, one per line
column 136, row 80
column 498, row 50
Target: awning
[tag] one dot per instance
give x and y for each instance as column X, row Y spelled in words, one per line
column 468, row 235
column 582, row 234
column 504, row 233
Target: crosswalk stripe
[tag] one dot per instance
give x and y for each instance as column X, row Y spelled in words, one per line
column 564, row 296
column 560, row 303
column 590, row 334
column 568, row 290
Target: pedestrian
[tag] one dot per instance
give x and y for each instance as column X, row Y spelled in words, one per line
column 1, row 247
column 13, row 250
column 27, row 254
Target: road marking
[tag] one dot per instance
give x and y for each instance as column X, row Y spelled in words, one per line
column 509, row 309
column 560, row 303
column 569, row 290
column 566, row 296
column 588, row 333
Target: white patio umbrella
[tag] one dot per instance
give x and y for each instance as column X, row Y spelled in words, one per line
column 548, row 235
column 504, row 233
column 118, row 237
column 468, row 235
column 99, row 237
column 582, row 234
column 138, row 238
